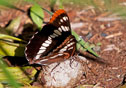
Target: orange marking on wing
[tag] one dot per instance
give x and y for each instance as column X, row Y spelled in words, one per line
column 56, row 14
column 67, row 55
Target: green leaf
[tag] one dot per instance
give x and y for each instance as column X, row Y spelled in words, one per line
column 52, row 3
column 4, row 37
column 37, row 15
column 82, row 45
column 61, row 4
column 49, row 12
column 13, row 26
column 9, row 48
column 1, row 86
column 8, row 75
column 19, row 74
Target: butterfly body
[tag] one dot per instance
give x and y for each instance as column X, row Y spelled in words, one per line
column 54, row 43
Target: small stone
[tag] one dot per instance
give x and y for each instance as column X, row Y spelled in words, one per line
column 63, row 75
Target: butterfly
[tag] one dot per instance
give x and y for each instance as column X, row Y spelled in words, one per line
column 54, row 43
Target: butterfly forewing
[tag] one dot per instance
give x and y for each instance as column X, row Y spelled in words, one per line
column 40, row 43
column 61, row 20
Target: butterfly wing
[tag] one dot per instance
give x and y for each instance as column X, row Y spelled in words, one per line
column 50, row 37
column 61, row 53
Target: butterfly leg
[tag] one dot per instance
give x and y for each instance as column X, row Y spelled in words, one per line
column 71, row 61
column 55, row 67
column 38, row 69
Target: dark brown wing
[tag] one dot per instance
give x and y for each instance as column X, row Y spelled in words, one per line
column 50, row 37
column 61, row 53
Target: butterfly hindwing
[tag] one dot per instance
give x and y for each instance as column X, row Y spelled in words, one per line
column 61, row 53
